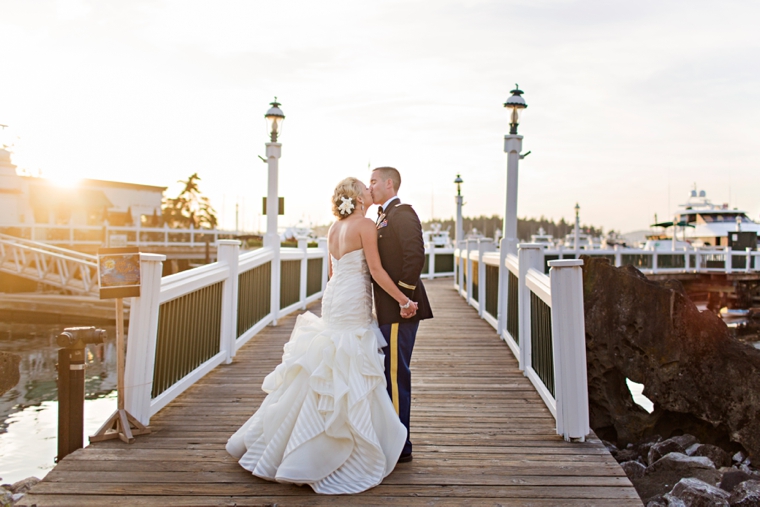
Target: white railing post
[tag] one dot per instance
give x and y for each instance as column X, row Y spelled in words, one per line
column 484, row 245
column 322, row 244
column 618, row 256
column 654, row 262
column 468, row 284
column 501, row 317
column 460, row 268
column 569, row 344
column 529, row 255
column 192, row 236
column 141, row 339
column 727, row 259
column 747, row 264
column 431, row 261
column 303, row 244
column 228, row 252
column 166, row 234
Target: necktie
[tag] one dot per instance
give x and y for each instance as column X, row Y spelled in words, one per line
column 379, row 210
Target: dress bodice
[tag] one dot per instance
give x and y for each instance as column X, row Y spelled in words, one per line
column 347, row 301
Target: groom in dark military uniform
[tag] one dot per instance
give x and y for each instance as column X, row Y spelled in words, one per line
column 402, row 253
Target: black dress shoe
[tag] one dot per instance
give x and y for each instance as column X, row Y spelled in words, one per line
column 405, row 458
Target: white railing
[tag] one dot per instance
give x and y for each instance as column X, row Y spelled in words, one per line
column 113, row 235
column 685, row 260
column 184, row 325
column 439, row 262
column 540, row 318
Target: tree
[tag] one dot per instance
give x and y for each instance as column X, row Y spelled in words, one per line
column 190, row 207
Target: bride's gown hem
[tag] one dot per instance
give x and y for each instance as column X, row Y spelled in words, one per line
column 327, row 420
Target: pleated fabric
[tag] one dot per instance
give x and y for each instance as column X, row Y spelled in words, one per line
column 327, row 420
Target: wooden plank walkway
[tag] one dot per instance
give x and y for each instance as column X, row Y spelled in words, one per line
column 481, row 434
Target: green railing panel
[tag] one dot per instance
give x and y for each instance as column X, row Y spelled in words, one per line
column 254, row 296
column 513, row 321
column 290, row 283
column 444, row 263
column 492, row 290
column 313, row 276
column 475, row 280
column 541, row 348
column 189, row 333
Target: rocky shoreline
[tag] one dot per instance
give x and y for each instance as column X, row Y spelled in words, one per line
column 12, row 493
column 681, row 471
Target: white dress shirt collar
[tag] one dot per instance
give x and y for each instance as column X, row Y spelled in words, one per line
column 385, row 206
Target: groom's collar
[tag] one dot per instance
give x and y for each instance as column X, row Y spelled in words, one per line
column 385, row 206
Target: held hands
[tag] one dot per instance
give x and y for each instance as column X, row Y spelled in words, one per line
column 410, row 311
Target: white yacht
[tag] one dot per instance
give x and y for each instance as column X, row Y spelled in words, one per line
column 436, row 237
column 702, row 223
column 543, row 239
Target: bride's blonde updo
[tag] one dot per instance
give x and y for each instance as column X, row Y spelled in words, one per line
column 344, row 200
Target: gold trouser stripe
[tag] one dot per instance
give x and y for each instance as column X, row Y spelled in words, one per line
column 406, row 285
column 394, row 365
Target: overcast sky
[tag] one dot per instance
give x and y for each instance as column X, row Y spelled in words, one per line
column 629, row 103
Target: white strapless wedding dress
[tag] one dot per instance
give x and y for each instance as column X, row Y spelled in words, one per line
column 327, row 421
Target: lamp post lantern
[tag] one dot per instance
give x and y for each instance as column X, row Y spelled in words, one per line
column 274, row 117
column 512, row 147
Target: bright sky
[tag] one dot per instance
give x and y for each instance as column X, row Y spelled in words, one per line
column 630, row 103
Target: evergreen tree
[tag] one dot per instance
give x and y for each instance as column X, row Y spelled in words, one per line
column 190, row 207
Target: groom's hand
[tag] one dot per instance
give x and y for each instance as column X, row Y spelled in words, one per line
column 410, row 312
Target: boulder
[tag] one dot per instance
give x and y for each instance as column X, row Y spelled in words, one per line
column 660, row 477
column 658, row 501
column 24, row 485
column 746, row 494
column 685, row 440
column 6, row 497
column 701, row 380
column 718, row 456
column 9, row 374
column 633, row 469
column 631, row 454
column 696, row 493
column 660, row 449
column 731, row 478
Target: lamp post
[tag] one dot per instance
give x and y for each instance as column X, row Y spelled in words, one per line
column 458, row 232
column 577, row 229
column 274, row 117
column 512, row 147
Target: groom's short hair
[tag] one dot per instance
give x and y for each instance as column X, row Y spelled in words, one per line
column 390, row 173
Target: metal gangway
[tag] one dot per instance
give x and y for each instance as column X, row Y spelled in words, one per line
column 61, row 268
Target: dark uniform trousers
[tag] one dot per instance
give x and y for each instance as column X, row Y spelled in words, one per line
column 398, row 357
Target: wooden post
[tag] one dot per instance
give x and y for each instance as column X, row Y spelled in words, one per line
column 569, row 343
column 228, row 252
column 121, row 424
column 530, row 255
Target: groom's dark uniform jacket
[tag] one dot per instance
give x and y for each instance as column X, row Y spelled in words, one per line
column 402, row 253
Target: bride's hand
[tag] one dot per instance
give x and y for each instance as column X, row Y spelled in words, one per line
column 409, row 312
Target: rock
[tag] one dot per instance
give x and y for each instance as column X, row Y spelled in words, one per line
column 696, row 493
column 9, row 374
column 660, row 477
column 633, row 469
column 685, row 440
column 739, row 457
column 731, row 478
column 746, row 494
column 612, row 448
column 701, row 380
column 690, row 450
column 626, row 455
column 658, row 501
column 6, row 497
column 24, row 485
column 718, row 456
column 660, row 449
column 17, row 496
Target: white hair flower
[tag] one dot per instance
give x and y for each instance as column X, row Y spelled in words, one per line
column 347, row 206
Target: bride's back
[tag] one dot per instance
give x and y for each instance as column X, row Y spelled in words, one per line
column 344, row 237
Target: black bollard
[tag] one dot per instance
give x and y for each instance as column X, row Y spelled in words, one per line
column 71, row 386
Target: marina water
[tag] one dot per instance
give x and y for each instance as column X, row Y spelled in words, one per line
column 29, row 411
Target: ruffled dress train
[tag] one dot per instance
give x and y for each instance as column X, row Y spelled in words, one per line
column 327, row 420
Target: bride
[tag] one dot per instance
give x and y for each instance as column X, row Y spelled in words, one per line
column 327, row 420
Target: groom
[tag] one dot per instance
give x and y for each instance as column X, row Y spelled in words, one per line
column 402, row 253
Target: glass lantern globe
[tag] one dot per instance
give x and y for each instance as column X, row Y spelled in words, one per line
column 274, row 117
column 515, row 104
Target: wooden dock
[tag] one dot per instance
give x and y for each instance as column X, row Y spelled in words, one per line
column 481, row 434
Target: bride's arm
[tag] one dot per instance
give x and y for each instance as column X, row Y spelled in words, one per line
column 368, row 234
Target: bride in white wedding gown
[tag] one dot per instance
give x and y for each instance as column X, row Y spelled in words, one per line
column 327, row 420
